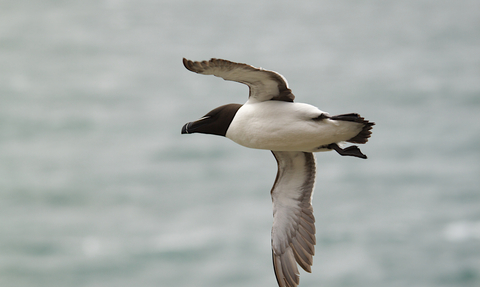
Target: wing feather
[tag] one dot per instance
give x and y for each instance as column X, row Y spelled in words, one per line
column 293, row 231
column 303, row 258
column 264, row 85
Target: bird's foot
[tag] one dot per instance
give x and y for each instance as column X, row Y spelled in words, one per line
column 348, row 151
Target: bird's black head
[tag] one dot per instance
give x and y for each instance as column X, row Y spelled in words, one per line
column 216, row 122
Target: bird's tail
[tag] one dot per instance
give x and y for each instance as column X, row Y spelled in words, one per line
column 364, row 134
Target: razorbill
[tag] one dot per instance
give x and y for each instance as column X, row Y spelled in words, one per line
column 292, row 131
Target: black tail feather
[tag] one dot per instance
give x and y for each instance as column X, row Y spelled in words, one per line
column 364, row 134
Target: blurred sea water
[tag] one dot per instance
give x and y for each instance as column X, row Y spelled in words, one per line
column 98, row 187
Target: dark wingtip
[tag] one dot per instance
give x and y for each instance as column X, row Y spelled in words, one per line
column 188, row 64
column 197, row 66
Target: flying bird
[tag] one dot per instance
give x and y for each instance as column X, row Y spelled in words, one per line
column 270, row 120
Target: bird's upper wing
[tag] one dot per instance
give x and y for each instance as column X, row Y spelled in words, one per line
column 264, row 85
column 293, row 231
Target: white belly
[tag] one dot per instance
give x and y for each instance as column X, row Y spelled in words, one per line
column 284, row 126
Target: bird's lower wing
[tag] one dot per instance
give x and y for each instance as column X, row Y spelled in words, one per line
column 293, row 231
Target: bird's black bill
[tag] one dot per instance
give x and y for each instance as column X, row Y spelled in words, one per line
column 185, row 128
column 198, row 126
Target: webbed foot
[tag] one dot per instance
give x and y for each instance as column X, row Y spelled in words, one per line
column 348, row 151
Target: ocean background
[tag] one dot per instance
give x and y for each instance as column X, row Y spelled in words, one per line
column 99, row 188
